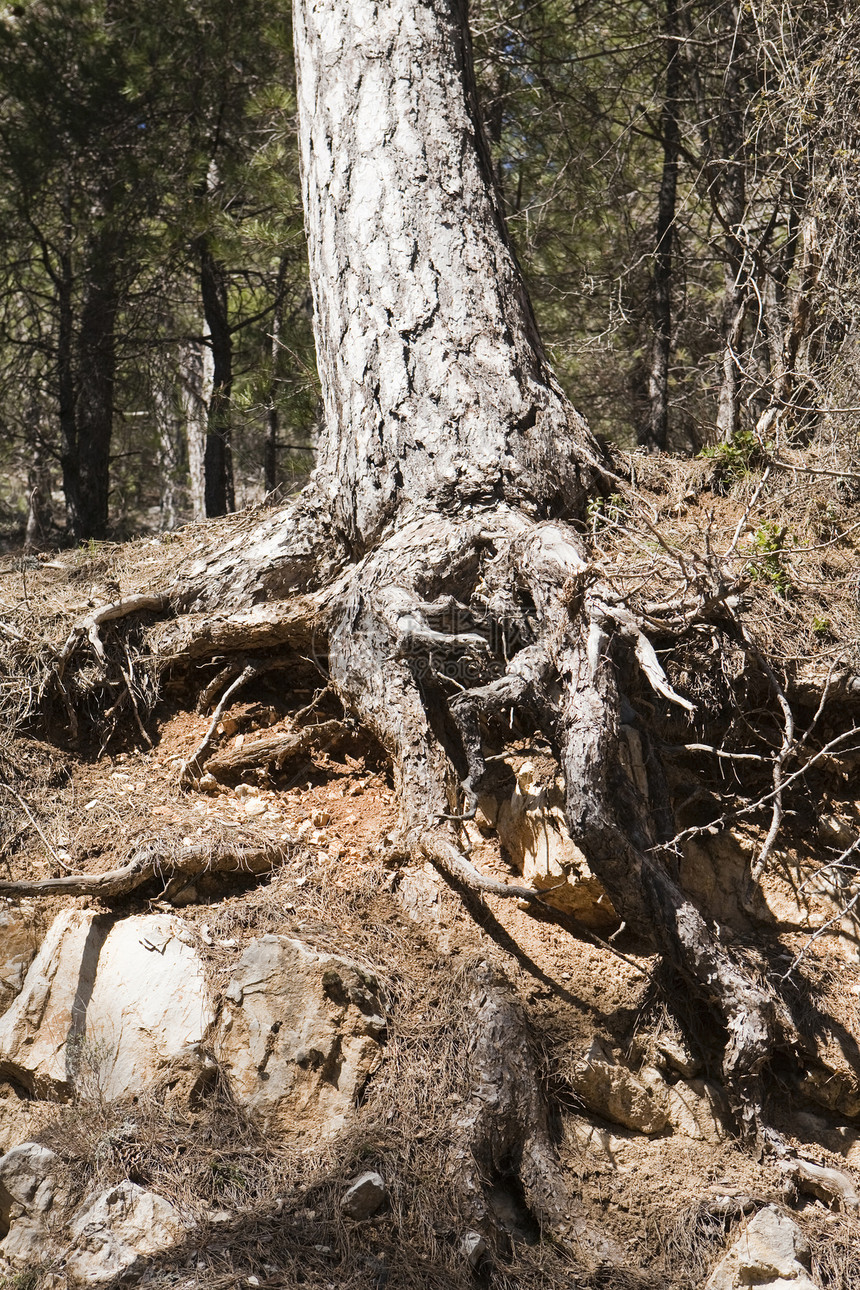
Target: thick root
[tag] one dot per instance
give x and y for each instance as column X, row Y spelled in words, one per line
column 513, row 1173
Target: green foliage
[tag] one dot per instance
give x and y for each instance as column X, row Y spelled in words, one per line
column 128, row 135
column 738, row 457
column 769, row 543
column 603, row 512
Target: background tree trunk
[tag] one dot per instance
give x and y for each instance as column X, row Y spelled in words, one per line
column 658, row 386
column 220, row 499
column 96, row 363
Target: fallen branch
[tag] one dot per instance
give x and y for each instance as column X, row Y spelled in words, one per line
column 157, row 860
column 275, row 750
column 832, row 1186
column 191, row 770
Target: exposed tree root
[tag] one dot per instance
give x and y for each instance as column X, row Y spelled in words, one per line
column 450, row 632
column 272, row 752
column 160, row 860
column 512, row 1172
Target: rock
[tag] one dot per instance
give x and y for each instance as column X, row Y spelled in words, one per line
column 18, row 945
column 771, row 1253
column 533, row 830
column 612, row 1091
column 697, row 1110
column 620, row 1152
column 833, row 1081
column 28, row 1188
column 674, row 1051
column 474, row 1248
column 364, row 1196
column 299, row 1033
column 106, row 1006
column 123, row 1226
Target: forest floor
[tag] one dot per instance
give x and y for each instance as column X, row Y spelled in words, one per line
column 645, row 1211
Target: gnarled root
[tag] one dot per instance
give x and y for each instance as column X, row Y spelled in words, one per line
column 157, row 860
column 382, row 663
column 450, row 631
column 511, row 1170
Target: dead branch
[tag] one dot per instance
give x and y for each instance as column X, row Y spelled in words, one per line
column 89, row 627
column 832, row 1186
column 161, row 860
column 275, row 750
column 191, row 770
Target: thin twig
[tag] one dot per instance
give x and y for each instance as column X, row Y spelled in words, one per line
column 36, row 825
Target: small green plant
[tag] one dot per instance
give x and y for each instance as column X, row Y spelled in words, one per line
column 603, row 511
column 227, row 1177
column 822, row 627
column 736, row 458
column 29, row 1279
column 769, row 545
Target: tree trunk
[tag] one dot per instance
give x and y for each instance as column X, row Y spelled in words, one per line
column 169, row 455
column 218, row 459
column 66, row 392
column 270, row 456
column 39, row 515
column 729, row 195
column 435, row 386
column 94, row 404
column 658, row 386
column 195, row 394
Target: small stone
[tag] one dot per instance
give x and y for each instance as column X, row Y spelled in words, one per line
column 474, row 1248
column 255, row 807
column 678, row 1056
column 364, row 1196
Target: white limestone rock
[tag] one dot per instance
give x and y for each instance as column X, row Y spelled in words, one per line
column 771, row 1253
column 638, row 1101
column 698, row 1110
column 532, row 828
column 125, row 1225
column 106, row 1006
column 299, row 1033
column 28, row 1191
column 19, row 943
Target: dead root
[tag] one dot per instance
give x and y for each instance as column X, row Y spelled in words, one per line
column 174, row 866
